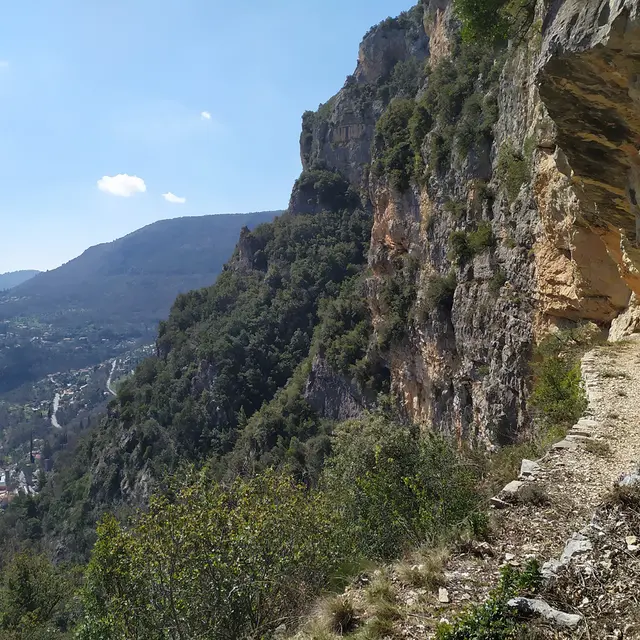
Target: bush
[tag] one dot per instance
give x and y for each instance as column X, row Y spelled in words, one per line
column 438, row 293
column 392, row 143
column 465, row 245
column 394, row 489
column 494, row 20
column 460, row 250
column 513, row 170
column 498, row 281
column 494, row 620
column 36, row 598
column 558, row 393
column 481, row 239
column 210, row 562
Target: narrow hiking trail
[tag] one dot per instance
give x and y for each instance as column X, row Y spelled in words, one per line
column 576, row 475
column 599, row 580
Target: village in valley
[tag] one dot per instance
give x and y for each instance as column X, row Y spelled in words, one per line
column 38, row 419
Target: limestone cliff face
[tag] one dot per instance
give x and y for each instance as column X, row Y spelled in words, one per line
column 339, row 135
column 556, row 185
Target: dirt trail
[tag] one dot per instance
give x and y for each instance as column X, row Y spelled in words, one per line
column 575, row 477
column 576, row 481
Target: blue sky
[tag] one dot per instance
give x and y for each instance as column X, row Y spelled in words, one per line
column 91, row 89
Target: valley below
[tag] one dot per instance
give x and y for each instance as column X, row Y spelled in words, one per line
column 403, row 408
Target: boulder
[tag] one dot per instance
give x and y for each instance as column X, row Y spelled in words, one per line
column 555, row 617
column 529, row 469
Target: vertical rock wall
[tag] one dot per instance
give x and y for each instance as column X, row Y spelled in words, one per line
column 564, row 243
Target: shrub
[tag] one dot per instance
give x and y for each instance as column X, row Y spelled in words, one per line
column 498, row 280
column 532, row 494
column 338, row 614
column 464, row 245
column 558, row 393
column 394, row 489
column 513, row 170
column 438, row 293
column 597, row 448
column 209, row 562
column 481, row 239
column 35, row 598
column 494, row 620
column 460, row 250
column 392, row 143
column 494, row 20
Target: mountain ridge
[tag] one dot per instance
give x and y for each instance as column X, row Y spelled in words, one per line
column 12, row 279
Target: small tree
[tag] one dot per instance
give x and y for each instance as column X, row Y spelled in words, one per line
column 210, row 562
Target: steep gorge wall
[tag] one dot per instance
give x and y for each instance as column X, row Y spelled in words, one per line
column 556, row 186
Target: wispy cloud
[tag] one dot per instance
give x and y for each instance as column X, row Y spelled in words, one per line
column 205, row 115
column 173, row 199
column 4, row 64
column 122, row 185
column 163, row 123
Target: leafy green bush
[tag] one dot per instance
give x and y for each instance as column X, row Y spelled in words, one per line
column 494, row 620
column 460, row 250
column 558, row 392
column 481, row 239
column 498, row 281
column 494, row 20
column 438, row 294
column 36, row 598
column 393, row 145
column 466, row 244
column 210, row 562
column 327, row 189
column 394, row 489
column 398, row 295
column 513, row 170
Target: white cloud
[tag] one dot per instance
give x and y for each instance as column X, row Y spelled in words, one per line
column 205, row 115
column 173, row 199
column 4, row 64
column 122, row 185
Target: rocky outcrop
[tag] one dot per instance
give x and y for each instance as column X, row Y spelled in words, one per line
column 556, row 186
column 331, row 394
column 340, row 134
column 588, row 80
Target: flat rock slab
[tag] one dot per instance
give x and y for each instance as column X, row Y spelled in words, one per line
column 512, row 488
column 580, row 433
column 578, row 545
column 587, row 423
column 529, row 468
column 568, row 445
column 497, row 503
column 555, row 617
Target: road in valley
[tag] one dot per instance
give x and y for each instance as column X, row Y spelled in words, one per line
column 109, row 381
column 56, row 406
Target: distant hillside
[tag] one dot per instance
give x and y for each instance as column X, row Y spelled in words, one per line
column 111, row 296
column 136, row 277
column 14, row 278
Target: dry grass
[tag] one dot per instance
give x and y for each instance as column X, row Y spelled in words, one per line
column 424, row 569
column 375, row 629
column 625, row 497
column 336, row 616
column 532, row 494
column 381, row 588
column 597, row 448
column 610, row 373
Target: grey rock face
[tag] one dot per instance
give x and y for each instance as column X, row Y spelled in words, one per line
column 331, row 394
column 340, row 134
